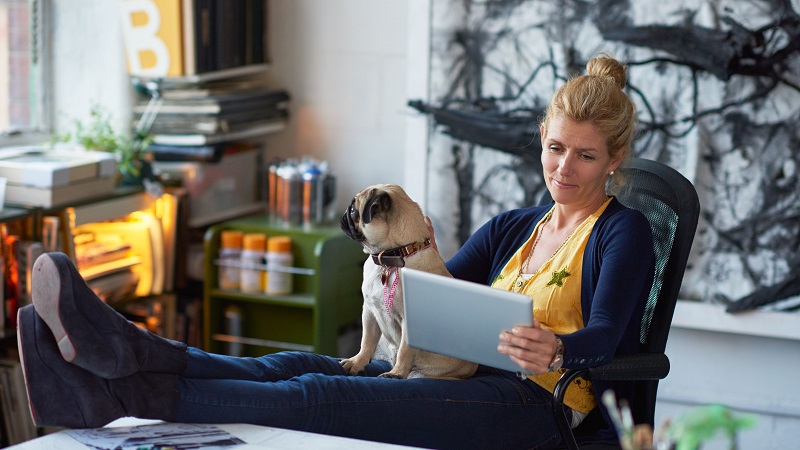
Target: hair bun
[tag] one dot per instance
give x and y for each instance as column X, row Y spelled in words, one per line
column 606, row 66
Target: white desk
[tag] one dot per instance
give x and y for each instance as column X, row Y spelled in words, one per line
column 256, row 437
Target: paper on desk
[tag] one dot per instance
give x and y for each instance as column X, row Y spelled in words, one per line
column 158, row 436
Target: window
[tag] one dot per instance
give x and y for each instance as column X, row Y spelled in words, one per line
column 22, row 90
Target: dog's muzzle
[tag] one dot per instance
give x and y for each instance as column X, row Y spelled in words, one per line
column 349, row 221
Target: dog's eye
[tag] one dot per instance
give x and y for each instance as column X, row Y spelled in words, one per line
column 353, row 213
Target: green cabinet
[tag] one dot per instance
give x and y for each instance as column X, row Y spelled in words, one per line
column 325, row 300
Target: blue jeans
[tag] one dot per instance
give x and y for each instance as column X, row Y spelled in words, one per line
column 309, row 392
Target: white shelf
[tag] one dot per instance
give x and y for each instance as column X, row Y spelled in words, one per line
column 705, row 316
column 212, row 76
column 113, row 208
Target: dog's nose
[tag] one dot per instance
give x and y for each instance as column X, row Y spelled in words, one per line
column 348, row 223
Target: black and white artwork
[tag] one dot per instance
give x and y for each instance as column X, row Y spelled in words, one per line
column 717, row 86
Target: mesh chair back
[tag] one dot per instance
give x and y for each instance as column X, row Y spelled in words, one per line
column 670, row 203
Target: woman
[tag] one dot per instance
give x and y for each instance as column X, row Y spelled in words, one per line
column 586, row 260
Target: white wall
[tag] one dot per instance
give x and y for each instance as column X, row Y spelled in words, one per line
column 343, row 62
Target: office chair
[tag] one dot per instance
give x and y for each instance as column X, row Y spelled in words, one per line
column 671, row 205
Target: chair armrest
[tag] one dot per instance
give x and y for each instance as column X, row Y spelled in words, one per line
column 639, row 366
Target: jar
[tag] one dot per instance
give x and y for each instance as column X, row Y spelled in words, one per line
column 279, row 254
column 252, row 259
column 230, row 252
column 233, row 327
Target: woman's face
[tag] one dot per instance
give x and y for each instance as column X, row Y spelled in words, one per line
column 575, row 161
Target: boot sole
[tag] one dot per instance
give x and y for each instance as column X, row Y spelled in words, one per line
column 46, row 296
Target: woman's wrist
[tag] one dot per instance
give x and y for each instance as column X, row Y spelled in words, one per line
column 558, row 357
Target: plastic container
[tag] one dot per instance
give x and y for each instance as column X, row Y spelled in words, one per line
column 230, row 252
column 279, row 253
column 233, row 327
column 253, row 250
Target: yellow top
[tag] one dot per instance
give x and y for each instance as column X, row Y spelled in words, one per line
column 231, row 239
column 254, row 242
column 279, row 244
column 556, row 293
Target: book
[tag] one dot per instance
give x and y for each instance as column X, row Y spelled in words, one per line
column 44, row 167
column 153, row 36
column 213, row 123
column 60, row 195
column 258, row 129
column 27, row 252
column 203, row 153
column 219, row 88
column 188, row 36
column 256, row 35
column 198, row 153
column 238, row 101
column 224, row 17
column 204, row 36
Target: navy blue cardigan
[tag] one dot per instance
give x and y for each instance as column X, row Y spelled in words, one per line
column 618, row 267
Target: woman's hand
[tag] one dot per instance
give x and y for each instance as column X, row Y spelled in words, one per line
column 532, row 348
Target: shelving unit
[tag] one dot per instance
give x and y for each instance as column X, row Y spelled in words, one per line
column 310, row 319
column 27, row 229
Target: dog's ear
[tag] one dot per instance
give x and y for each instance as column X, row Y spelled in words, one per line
column 375, row 205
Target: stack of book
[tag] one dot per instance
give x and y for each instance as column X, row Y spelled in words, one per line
column 50, row 177
column 183, row 38
column 197, row 121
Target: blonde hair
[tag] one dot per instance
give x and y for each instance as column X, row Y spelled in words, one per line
column 598, row 98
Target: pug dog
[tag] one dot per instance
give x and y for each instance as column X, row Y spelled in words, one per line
column 393, row 231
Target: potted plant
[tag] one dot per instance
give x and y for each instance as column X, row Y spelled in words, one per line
column 98, row 134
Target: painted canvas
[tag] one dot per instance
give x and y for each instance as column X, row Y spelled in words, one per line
column 717, row 86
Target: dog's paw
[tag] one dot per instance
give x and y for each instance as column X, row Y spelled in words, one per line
column 395, row 375
column 351, row 367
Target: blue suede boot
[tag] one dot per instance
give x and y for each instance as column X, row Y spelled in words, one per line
column 91, row 334
column 61, row 394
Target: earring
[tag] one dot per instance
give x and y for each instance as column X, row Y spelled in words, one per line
column 611, row 174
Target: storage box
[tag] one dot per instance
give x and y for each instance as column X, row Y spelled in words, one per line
column 218, row 190
column 43, row 167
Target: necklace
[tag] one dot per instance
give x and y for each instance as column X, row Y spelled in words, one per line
column 521, row 282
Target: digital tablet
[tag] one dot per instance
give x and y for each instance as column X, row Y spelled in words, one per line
column 461, row 319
